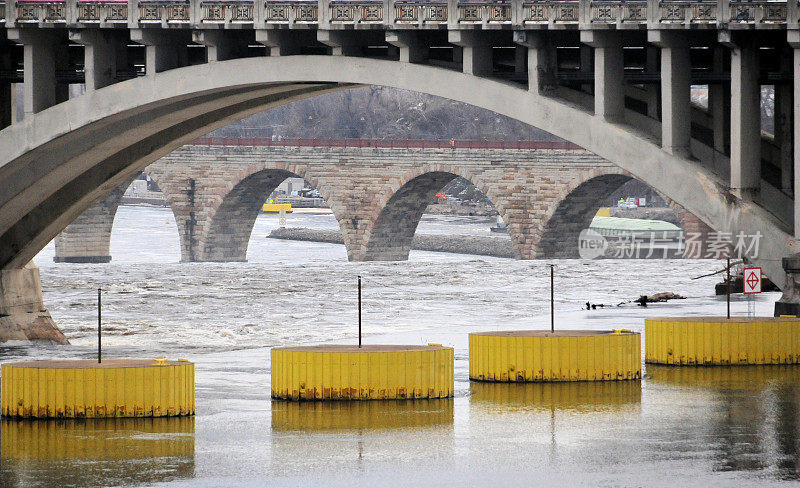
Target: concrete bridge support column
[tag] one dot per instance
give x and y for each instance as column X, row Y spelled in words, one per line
column 22, row 313
column 745, row 119
column 719, row 104
column 653, row 91
column 476, row 51
column 609, row 99
column 223, row 44
column 675, row 91
column 43, row 54
column 541, row 62
column 278, row 42
column 341, row 43
column 218, row 46
column 411, row 49
column 164, row 50
column 88, row 238
column 104, row 53
column 794, row 42
column 6, row 90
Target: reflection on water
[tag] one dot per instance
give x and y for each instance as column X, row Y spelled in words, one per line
column 754, row 417
column 355, row 434
column 369, row 415
column 583, row 396
column 82, row 452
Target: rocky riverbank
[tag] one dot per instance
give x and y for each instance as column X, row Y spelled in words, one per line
column 478, row 245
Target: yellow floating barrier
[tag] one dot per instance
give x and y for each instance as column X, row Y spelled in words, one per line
column 88, row 389
column 721, row 341
column 568, row 355
column 372, row 372
column 342, row 416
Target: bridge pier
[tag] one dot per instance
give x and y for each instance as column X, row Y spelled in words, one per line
column 22, row 313
column 88, row 238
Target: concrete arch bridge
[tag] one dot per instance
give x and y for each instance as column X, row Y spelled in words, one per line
column 612, row 77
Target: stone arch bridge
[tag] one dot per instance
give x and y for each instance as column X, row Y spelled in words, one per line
column 545, row 191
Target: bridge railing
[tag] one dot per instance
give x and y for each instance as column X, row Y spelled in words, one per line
column 223, row 12
column 97, row 12
column 298, row 12
column 356, row 12
column 619, row 12
column 410, row 12
column 468, row 13
column 384, row 143
column 550, row 12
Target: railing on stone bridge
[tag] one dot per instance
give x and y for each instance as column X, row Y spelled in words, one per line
column 385, row 143
column 407, row 13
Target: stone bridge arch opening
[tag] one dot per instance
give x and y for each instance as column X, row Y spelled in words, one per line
column 223, row 232
column 391, row 236
column 577, row 210
column 90, row 237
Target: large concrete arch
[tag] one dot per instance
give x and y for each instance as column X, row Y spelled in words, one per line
column 64, row 158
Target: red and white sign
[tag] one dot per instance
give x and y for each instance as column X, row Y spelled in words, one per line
column 752, row 280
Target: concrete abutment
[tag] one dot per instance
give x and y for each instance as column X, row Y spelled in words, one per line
column 23, row 316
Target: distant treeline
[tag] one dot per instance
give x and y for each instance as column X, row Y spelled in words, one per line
column 375, row 112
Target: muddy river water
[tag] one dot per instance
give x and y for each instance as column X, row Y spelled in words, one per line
column 678, row 427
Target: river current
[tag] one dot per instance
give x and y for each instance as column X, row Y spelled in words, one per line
column 678, row 427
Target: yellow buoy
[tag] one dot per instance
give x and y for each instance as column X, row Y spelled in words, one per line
column 373, row 372
column 87, row 389
column 568, row 355
column 722, row 341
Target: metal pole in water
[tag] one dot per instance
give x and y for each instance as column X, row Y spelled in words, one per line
column 552, row 309
column 728, row 298
column 359, row 311
column 99, row 327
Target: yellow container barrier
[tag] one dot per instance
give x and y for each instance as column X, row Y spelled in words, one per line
column 569, row 355
column 693, row 341
column 339, row 416
column 87, row 389
column 373, row 372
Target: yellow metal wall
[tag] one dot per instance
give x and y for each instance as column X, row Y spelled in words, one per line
column 145, row 391
column 509, row 358
column 396, row 374
column 719, row 341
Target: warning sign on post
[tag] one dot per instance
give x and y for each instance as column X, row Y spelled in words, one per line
column 752, row 280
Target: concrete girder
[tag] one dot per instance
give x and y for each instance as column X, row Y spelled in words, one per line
column 55, row 195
